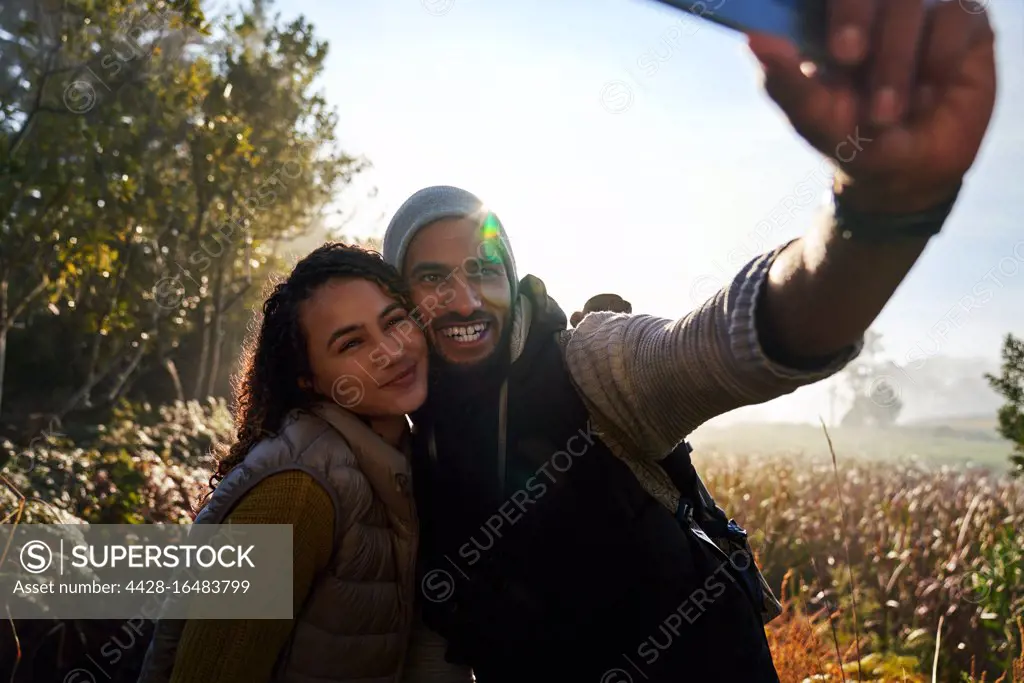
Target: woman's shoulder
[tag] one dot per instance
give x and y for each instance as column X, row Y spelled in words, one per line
column 283, row 498
column 306, row 429
column 314, row 442
column 305, row 453
column 306, row 438
column 332, row 445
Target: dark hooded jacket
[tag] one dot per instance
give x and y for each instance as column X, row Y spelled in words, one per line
column 552, row 563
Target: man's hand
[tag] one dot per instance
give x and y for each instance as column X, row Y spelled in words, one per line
column 916, row 87
column 911, row 92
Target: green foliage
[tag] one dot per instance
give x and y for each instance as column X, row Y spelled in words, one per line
column 153, row 166
column 150, row 465
column 998, row 587
column 1010, row 384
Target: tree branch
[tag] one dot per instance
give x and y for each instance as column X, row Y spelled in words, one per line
column 6, row 325
column 235, row 297
column 20, row 135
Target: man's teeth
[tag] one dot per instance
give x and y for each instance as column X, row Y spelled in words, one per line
column 465, row 333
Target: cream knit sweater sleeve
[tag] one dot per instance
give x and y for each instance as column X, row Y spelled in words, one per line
column 649, row 382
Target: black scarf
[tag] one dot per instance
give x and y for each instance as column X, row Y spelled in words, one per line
column 462, row 411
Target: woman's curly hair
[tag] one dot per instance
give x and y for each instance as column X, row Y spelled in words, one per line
column 274, row 356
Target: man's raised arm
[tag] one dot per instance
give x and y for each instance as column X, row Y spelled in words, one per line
column 919, row 117
column 650, row 381
column 923, row 98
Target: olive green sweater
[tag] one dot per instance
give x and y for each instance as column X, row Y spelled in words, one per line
column 245, row 650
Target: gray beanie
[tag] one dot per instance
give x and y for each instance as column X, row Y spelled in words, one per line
column 433, row 204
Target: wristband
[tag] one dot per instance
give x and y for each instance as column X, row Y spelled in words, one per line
column 891, row 227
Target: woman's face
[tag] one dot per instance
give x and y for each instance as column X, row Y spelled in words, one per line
column 365, row 352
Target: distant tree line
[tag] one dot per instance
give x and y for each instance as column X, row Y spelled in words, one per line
column 874, row 398
column 873, row 395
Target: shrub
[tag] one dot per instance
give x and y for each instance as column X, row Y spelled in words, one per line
column 147, row 466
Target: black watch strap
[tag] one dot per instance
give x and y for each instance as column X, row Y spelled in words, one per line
column 895, row 227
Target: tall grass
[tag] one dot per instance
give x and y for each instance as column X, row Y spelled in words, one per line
column 920, row 544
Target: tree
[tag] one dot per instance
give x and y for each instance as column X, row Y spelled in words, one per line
column 874, row 395
column 61, row 190
column 149, row 172
column 264, row 165
column 1010, row 384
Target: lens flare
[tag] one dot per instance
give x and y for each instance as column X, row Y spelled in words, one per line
column 490, row 231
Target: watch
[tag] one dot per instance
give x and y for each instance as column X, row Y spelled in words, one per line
column 863, row 226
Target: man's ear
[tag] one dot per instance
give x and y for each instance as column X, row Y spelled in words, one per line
column 576, row 318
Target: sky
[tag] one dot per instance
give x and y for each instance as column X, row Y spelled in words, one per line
column 629, row 147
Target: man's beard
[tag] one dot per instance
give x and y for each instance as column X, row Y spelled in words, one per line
column 462, row 380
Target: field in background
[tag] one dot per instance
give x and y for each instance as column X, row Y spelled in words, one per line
column 964, row 441
column 922, row 520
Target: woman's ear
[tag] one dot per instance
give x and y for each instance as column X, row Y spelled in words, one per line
column 576, row 318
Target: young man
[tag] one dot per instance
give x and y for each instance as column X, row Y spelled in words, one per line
column 601, row 302
column 555, row 543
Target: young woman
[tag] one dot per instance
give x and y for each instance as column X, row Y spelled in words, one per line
column 327, row 381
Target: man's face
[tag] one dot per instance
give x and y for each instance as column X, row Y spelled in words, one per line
column 459, row 284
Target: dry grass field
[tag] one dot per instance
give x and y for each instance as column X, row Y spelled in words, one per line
column 873, row 552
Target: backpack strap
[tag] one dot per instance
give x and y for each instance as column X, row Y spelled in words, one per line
column 695, row 504
column 680, row 470
column 679, row 467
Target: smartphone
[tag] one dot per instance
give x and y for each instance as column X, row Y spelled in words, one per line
column 802, row 22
